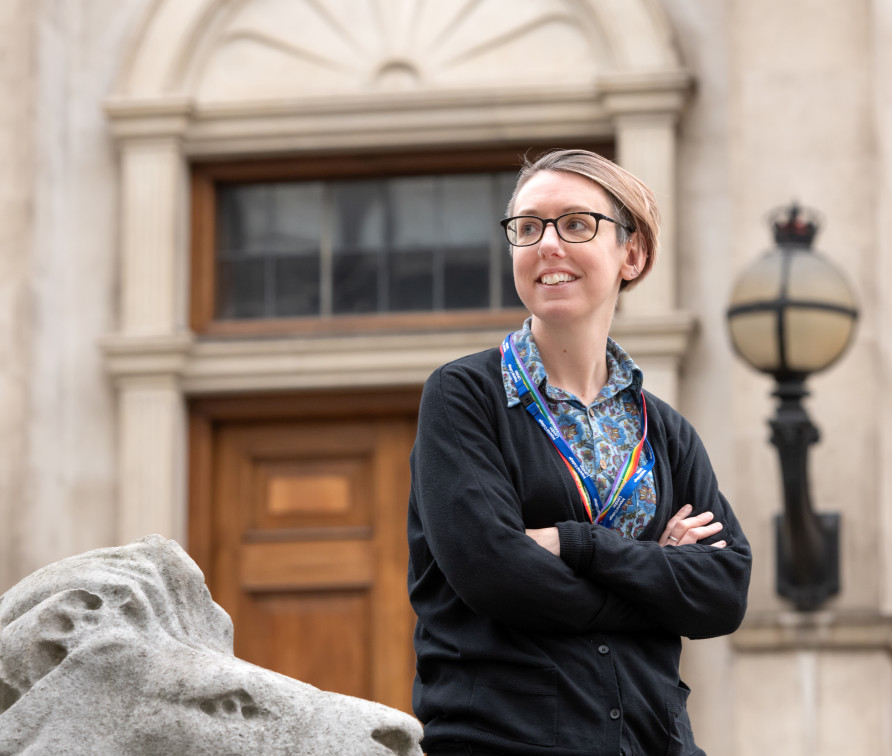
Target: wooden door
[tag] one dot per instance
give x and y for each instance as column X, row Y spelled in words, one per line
column 298, row 519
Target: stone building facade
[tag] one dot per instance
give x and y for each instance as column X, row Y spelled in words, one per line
column 726, row 108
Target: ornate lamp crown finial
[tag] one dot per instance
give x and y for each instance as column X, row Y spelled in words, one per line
column 791, row 229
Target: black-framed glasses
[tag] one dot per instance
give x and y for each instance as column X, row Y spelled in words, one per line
column 526, row 230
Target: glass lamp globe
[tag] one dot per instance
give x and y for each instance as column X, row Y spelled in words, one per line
column 792, row 312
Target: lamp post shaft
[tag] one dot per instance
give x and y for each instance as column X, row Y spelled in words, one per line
column 807, row 543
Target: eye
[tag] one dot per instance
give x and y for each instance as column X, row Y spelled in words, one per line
column 579, row 223
column 578, row 227
column 231, row 704
column 528, row 228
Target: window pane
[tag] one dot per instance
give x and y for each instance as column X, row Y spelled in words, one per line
column 268, row 244
column 411, row 243
column 467, row 228
column 297, row 216
column 360, row 218
column 296, row 286
column 466, row 280
column 269, row 219
column 509, row 292
column 240, row 289
column 505, row 182
column 414, row 243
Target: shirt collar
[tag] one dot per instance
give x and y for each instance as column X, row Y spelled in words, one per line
column 622, row 372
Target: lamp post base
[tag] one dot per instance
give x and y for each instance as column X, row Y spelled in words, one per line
column 824, row 583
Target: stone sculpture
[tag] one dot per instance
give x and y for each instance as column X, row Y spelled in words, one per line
column 122, row 651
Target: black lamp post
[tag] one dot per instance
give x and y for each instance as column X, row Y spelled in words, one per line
column 791, row 315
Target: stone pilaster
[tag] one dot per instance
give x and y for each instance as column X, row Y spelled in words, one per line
column 153, row 258
column 645, row 145
column 644, row 111
column 152, row 447
column 153, row 194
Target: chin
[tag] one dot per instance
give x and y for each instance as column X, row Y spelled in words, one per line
column 571, row 314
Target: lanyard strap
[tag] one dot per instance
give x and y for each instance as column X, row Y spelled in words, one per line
column 630, row 475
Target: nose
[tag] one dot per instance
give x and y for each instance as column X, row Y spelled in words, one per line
column 376, row 729
column 550, row 243
column 399, row 739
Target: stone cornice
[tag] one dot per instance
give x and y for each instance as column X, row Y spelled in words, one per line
column 146, row 359
column 202, row 366
column 467, row 115
column 134, row 118
column 644, row 93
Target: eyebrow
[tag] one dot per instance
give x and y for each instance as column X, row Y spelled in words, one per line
column 567, row 209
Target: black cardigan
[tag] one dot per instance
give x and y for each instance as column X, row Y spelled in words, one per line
column 524, row 652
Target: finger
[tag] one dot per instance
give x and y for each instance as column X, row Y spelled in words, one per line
column 681, row 514
column 700, row 519
column 693, row 535
column 688, row 523
column 669, row 536
column 720, row 544
column 675, row 532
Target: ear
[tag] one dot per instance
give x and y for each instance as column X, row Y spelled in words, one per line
column 38, row 641
column 635, row 260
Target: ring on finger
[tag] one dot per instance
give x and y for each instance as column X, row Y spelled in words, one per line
column 673, row 538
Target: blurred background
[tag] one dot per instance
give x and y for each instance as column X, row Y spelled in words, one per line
column 237, row 235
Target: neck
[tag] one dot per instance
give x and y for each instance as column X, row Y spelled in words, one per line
column 574, row 357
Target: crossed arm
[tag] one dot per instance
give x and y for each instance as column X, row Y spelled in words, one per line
column 698, row 589
column 466, row 521
column 682, row 528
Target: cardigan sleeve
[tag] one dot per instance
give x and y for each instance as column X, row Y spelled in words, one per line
column 466, row 516
column 695, row 590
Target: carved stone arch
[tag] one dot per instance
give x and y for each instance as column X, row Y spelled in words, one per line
column 217, row 78
column 176, row 40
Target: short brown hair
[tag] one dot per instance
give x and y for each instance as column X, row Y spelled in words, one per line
column 633, row 202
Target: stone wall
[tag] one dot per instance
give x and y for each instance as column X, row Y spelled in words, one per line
column 791, row 103
column 61, row 229
column 17, row 74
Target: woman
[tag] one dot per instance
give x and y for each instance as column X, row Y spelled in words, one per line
column 565, row 526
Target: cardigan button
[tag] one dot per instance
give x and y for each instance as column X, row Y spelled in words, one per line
column 615, row 713
column 603, row 649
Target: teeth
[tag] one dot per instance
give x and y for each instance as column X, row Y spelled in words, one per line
column 556, row 278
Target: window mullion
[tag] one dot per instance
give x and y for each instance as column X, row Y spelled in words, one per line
column 326, row 253
column 269, row 255
column 386, row 250
column 439, row 250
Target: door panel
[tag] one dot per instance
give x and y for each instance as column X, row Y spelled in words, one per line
column 301, row 529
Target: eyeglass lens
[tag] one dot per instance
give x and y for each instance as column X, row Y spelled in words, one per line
column 573, row 227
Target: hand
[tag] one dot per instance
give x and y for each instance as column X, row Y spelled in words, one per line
column 547, row 538
column 682, row 529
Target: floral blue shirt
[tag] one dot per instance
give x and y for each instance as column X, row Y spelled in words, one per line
column 601, row 435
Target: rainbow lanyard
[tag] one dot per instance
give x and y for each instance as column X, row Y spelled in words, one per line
column 630, row 474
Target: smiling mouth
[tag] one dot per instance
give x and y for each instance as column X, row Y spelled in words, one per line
column 550, row 279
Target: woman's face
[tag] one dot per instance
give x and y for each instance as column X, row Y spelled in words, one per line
column 568, row 283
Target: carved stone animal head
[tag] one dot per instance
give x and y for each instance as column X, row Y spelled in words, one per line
column 123, row 651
